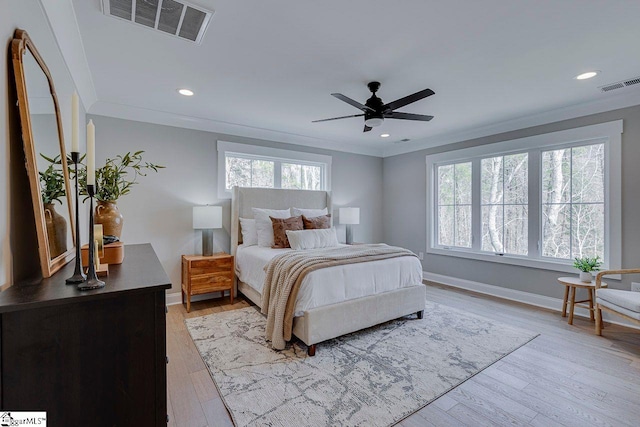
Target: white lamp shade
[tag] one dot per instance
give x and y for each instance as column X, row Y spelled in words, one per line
column 349, row 215
column 206, row 217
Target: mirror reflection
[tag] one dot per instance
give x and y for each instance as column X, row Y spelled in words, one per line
column 46, row 144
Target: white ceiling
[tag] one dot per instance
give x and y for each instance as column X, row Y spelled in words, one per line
column 267, row 68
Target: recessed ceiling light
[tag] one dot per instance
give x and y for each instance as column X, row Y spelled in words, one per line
column 185, row 92
column 385, row 135
column 587, row 75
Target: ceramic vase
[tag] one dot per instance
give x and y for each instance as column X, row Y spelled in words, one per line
column 56, row 230
column 109, row 216
column 585, row 276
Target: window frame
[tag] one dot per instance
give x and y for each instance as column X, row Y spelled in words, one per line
column 609, row 133
column 276, row 155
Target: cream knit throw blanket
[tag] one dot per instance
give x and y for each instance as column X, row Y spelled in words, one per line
column 286, row 272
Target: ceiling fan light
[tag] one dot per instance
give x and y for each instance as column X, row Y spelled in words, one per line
column 374, row 122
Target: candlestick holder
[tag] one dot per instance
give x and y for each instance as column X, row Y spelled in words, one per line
column 92, row 278
column 78, row 275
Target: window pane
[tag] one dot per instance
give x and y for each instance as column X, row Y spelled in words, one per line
column 587, row 174
column 445, row 185
column 516, row 178
column 262, row 173
column 492, row 222
column 556, row 231
column 516, row 229
column 291, row 175
column 238, row 172
column 462, row 173
column 463, row 226
column 445, row 225
column 587, row 230
column 311, row 177
column 556, row 167
column 491, row 177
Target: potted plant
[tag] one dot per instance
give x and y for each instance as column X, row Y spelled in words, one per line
column 52, row 189
column 114, row 180
column 586, row 265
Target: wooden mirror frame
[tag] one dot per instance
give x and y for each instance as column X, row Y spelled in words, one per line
column 21, row 42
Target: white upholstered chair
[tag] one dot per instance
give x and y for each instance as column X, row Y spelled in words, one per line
column 620, row 302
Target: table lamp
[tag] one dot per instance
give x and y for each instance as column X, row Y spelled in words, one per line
column 349, row 216
column 206, row 218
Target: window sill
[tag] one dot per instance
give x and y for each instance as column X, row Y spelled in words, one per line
column 506, row 259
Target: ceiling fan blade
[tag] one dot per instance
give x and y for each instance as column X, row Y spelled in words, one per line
column 408, row 99
column 337, row 118
column 367, row 128
column 350, row 101
column 407, row 116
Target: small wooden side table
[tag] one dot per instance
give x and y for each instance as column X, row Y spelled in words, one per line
column 203, row 274
column 571, row 283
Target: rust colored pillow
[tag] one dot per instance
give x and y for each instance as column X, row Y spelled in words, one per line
column 280, row 226
column 317, row 222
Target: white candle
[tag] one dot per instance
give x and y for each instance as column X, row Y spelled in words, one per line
column 91, row 153
column 75, row 144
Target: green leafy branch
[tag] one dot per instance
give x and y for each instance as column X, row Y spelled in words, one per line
column 52, row 180
column 587, row 264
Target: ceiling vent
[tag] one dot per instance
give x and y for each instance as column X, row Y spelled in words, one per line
column 619, row 85
column 176, row 18
column 401, row 141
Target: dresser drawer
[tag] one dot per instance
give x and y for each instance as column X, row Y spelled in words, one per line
column 210, row 283
column 206, row 266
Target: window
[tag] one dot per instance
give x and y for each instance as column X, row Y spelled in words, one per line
column 539, row 201
column 573, row 202
column 504, row 205
column 454, row 205
column 256, row 166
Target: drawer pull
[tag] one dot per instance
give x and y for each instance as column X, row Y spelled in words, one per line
column 167, row 360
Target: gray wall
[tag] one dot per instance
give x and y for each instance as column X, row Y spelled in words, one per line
column 404, row 211
column 18, row 244
column 158, row 210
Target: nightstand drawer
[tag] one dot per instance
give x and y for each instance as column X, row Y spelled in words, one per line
column 206, row 266
column 210, row 283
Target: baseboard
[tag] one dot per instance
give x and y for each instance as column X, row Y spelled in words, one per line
column 176, row 297
column 529, row 298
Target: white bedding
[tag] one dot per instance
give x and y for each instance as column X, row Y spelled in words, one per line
column 334, row 284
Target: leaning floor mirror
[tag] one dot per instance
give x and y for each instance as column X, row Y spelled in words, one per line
column 45, row 155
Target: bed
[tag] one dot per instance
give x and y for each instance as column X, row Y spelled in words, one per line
column 351, row 298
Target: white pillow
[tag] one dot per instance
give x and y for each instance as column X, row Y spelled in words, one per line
column 264, row 227
column 312, row 239
column 309, row 213
column 249, row 232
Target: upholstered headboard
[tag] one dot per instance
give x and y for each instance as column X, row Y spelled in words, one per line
column 243, row 199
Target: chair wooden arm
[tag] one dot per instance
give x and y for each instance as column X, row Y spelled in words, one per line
column 609, row 272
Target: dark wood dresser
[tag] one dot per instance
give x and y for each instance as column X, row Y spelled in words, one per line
column 93, row 358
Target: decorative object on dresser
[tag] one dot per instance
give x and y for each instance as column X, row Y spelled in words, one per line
column 349, row 217
column 114, row 180
column 374, row 377
column 206, row 218
column 204, row 274
column 88, row 359
column 41, row 126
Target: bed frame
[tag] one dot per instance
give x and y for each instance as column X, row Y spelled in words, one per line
column 331, row 321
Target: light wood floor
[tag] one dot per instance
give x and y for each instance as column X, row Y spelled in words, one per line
column 565, row 377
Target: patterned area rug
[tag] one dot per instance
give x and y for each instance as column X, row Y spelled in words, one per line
column 375, row 377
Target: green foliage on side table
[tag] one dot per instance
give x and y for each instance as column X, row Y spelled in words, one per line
column 587, row 264
column 52, row 181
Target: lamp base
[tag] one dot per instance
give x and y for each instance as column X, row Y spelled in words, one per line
column 349, row 235
column 207, row 242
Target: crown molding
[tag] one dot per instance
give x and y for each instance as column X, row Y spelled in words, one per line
column 139, row 114
column 64, row 25
column 629, row 99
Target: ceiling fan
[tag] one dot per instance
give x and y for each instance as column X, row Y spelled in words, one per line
column 374, row 111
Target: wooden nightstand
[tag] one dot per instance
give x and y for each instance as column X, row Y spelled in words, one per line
column 203, row 274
